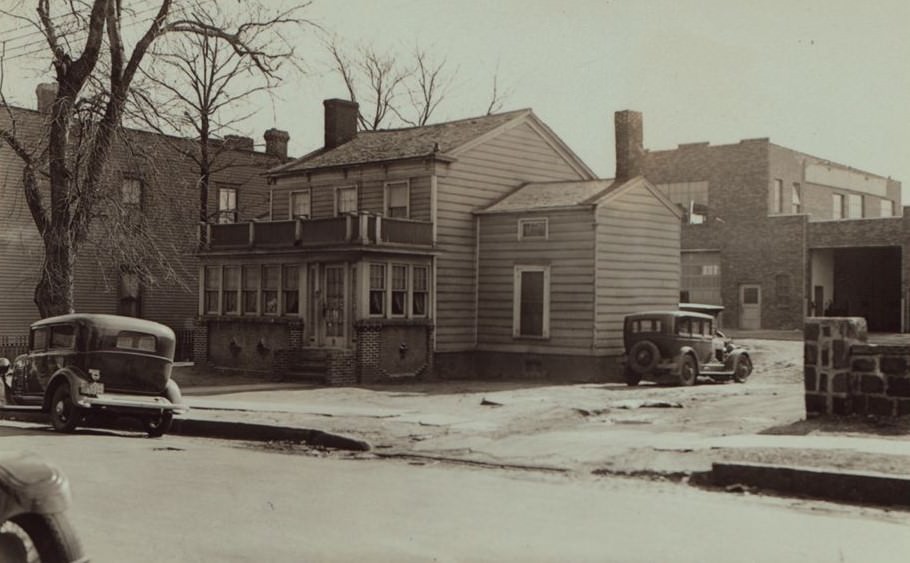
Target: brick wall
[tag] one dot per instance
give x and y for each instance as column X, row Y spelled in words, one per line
column 844, row 375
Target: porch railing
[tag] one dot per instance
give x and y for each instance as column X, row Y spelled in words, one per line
column 361, row 229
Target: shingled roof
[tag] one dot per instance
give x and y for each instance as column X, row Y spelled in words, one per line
column 549, row 195
column 396, row 144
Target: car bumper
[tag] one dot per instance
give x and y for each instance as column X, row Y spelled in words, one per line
column 129, row 403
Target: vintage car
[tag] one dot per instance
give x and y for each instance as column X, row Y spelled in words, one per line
column 679, row 346
column 83, row 366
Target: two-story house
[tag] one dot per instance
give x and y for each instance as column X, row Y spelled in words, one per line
column 775, row 235
column 477, row 247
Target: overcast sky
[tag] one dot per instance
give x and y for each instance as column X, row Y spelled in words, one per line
column 827, row 77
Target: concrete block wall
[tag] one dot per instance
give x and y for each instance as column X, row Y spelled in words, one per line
column 844, row 375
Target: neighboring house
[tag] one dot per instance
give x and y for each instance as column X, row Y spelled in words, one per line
column 775, row 235
column 148, row 176
column 394, row 253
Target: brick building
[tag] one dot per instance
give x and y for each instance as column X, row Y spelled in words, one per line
column 775, row 235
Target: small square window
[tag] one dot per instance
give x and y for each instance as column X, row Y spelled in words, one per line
column 131, row 192
column 533, row 229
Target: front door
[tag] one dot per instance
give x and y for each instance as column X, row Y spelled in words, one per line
column 750, row 306
column 334, row 310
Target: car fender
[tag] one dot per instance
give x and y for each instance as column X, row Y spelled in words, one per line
column 733, row 356
column 683, row 350
column 172, row 392
column 64, row 376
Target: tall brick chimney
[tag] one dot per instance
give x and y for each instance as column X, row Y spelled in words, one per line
column 340, row 121
column 276, row 143
column 238, row 142
column 46, row 93
column 629, row 144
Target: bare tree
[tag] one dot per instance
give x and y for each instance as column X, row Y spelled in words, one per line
column 372, row 79
column 94, row 71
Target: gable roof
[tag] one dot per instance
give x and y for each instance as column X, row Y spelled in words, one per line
column 442, row 140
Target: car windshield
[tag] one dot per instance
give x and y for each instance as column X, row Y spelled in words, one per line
column 136, row 341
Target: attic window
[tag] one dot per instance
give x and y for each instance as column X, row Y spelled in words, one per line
column 533, row 229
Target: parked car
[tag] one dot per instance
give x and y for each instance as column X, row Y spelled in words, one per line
column 34, row 526
column 679, row 346
column 81, row 366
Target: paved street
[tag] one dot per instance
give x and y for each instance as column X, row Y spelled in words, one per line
column 181, row 499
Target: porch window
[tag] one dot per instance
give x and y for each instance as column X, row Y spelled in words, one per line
column 531, row 306
column 399, row 289
column 421, row 291
column 231, row 290
column 300, row 204
column 271, row 277
column 377, row 289
column 397, row 195
column 212, row 285
column 345, row 200
column 291, row 295
column 227, row 205
column 251, row 290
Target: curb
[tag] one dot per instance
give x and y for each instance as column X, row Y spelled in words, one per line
column 228, row 430
column 827, row 484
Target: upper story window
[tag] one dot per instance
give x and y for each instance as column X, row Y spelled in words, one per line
column 691, row 197
column 535, row 229
column 227, row 205
column 795, row 201
column 887, row 208
column 397, row 199
column 299, row 204
column 777, row 196
column 131, row 192
column 345, row 200
column 838, row 206
column 855, row 208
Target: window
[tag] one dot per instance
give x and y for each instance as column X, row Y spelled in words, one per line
column 399, row 290
column 212, row 285
column 291, row 295
column 647, row 325
column 231, row 290
column 136, row 341
column 300, row 204
column 397, row 196
column 684, row 327
column 533, row 229
column 227, row 205
column 131, row 192
column 855, row 206
column 420, row 291
column 39, row 338
column 838, row 203
column 887, row 208
column 530, row 313
column 777, row 196
column 271, row 277
column 345, row 200
column 701, row 277
column 750, row 295
column 377, row 289
column 795, row 201
column 62, row 336
column 251, row 290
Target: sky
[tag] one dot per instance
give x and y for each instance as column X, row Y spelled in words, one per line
column 826, row 77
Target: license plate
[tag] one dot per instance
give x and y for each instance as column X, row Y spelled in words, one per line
column 93, row 388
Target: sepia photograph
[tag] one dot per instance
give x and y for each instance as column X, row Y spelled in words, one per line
column 454, row 281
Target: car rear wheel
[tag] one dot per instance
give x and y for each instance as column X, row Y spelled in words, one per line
column 39, row 537
column 688, row 371
column 64, row 414
column 643, row 357
column 743, row 369
column 157, row 426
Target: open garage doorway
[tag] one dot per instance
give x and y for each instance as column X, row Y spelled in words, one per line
column 858, row 282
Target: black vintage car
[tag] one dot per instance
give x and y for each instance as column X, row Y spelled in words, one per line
column 679, row 346
column 81, row 366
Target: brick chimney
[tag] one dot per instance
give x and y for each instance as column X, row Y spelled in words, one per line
column 340, row 121
column 629, row 144
column 276, row 143
column 46, row 93
column 238, row 143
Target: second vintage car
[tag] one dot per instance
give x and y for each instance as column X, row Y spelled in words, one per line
column 679, row 346
column 81, row 366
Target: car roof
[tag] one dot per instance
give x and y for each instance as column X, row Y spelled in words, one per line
column 651, row 314
column 706, row 308
column 111, row 322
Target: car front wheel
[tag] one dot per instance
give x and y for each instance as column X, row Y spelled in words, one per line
column 64, row 414
column 743, row 369
column 157, row 426
column 688, row 372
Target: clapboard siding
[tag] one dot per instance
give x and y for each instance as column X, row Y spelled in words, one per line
column 480, row 177
column 569, row 253
column 638, row 262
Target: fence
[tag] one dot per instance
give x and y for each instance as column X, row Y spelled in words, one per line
column 184, row 347
column 12, row 346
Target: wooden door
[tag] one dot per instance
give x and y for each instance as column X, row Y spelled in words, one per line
column 750, row 306
column 334, row 311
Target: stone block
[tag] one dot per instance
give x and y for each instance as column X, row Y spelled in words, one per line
column 809, row 378
column 841, row 354
column 903, row 407
column 894, row 365
column 860, row 404
column 872, row 384
column 810, row 352
column 810, row 332
column 823, row 383
column 825, row 358
column 864, row 364
column 880, row 406
column 826, row 331
column 816, row 404
column 841, row 406
column 840, row 383
column 898, row 386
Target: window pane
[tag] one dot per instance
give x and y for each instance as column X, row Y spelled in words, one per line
column 290, row 277
column 270, row 276
column 399, row 277
column 397, row 200
column 750, row 295
column 212, row 277
column 62, row 336
column 227, row 205
column 347, row 200
column 231, row 278
column 300, row 204
column 39, row 339
column 534, row 229
column 531, row 304
column 131, row 191
column 377, row 276
column 420, row 278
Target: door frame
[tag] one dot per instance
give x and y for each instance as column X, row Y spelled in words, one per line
column 742, row 305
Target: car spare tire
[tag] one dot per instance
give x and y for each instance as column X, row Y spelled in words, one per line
column 643, row 357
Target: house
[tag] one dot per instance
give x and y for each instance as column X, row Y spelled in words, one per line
column 774, row 234
column 481, row 246
column 149, row 174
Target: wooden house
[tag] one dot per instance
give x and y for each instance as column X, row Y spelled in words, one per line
column 380, row 258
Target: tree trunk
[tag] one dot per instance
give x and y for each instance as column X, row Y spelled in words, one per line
column 54, row 292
